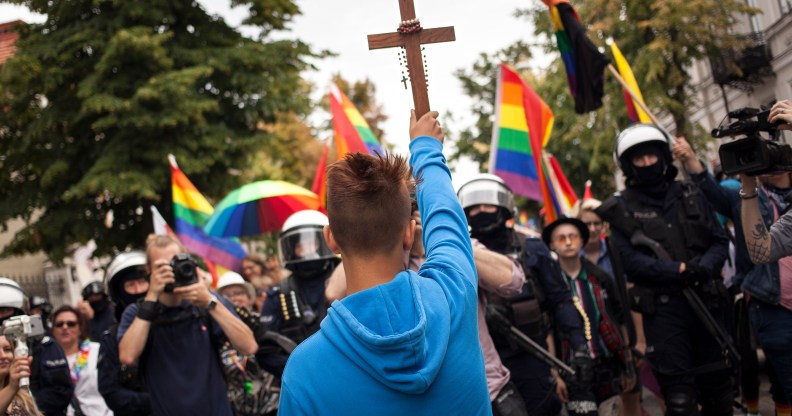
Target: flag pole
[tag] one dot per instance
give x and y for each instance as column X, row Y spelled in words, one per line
column 629, row 90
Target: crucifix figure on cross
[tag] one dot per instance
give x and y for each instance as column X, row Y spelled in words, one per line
column 411, row 36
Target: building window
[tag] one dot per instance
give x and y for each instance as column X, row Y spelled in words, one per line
column 754, row 19
column 785, row 6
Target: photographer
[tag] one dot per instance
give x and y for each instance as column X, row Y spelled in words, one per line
column 774, row 319
column 49, row 379
column 760, row 282
column 176, row 333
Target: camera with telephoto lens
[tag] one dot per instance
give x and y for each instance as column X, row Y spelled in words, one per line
column 18, row 330
column 185, row 271
column 752, row 154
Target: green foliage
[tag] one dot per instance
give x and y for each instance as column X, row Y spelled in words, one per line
column 660, row 40
column 101, row 92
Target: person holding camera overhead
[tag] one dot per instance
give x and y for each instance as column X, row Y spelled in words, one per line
column 774, row 321
column 175, row 332
column 70, row 331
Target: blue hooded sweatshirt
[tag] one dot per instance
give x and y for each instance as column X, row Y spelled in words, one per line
column 410, row 346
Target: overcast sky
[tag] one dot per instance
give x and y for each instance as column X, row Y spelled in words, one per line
column 342, row 25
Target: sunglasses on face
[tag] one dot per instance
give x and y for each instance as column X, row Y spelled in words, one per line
column 61, row 324
column 560, row 239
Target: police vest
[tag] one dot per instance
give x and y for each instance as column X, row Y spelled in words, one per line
column 524, row 310
column 685, row 234
column 299, row 319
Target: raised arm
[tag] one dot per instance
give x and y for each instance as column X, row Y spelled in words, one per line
column 445, row 230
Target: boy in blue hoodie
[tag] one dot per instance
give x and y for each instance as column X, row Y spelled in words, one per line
column 401, row 342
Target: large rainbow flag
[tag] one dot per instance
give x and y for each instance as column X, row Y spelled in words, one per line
column 523, row 123
column 584, row 63
column 191, row 210
column 352, row 132
column 633, row 110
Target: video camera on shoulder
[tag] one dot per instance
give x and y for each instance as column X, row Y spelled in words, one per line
column 753, row 154
column 185, row 271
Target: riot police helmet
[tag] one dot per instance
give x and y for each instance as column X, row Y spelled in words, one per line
column 486, row 189
column 642, row 139
column 302, row 244
column 130, row 265
column 41, row 303
column 12, row 298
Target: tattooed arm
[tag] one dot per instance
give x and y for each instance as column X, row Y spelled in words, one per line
column 757, row 238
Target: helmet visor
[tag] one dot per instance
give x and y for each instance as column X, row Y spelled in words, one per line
column 304, row 244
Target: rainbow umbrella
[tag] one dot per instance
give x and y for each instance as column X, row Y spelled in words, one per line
column 258, row 208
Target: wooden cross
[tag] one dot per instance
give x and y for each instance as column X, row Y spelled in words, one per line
column 412, row 45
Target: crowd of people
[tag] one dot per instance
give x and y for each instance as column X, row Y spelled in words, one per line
column 440, row 305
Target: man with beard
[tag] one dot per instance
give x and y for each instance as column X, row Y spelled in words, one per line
column 489, row 204
column 669, row 240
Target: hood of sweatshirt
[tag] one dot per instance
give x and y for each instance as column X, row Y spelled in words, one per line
column 384, row 330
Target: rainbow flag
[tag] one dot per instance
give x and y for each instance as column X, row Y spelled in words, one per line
column 352, row 133
column 563, row 197
column 583, row 61
column 319, row 186
column 522, row 127
column 633, row 110
column 191, row 210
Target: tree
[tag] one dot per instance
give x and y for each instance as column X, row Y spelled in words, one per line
column 100, row 93
column 363, row 96
column 661, row 39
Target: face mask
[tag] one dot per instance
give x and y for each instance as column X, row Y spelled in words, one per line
column 309, row 269
column 486, row 222
column 100, row 305
column 650, row 175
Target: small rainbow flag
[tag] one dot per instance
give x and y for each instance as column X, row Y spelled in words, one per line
column 522, row 127
column 583, row 61
column 562, row 195
column 633, row 110
column 319, row 186
column 191, row 210
column 352, row 133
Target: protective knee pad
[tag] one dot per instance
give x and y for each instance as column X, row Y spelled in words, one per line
column 681, row 401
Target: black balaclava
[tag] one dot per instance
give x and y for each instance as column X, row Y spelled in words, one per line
column 121, row 298
column 101, row 304
column 653, row 179
column 489, row 228
column 311, row 269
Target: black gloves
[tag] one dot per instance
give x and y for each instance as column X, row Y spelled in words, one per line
column 695, row 274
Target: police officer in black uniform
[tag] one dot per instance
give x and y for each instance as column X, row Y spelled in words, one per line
column 296, row 307
column 669, row 240
column 50, row 382
column 544, row 293
column 121, row 386
column 95, row 294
